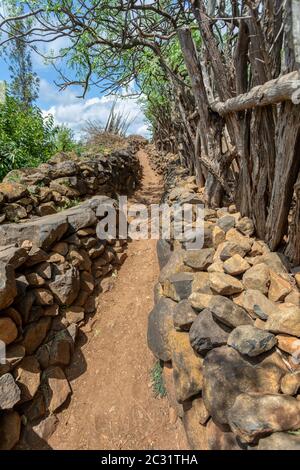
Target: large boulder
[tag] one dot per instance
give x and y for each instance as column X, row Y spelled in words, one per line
column 206, row 333
column 160, row 324
column 226, row 374
column 253, row 416
column 80, row 217
column 43, row 232
column 187, row 367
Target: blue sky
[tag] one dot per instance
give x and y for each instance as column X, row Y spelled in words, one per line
column 72, row 111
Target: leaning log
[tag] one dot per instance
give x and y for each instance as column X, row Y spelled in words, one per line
column 285, row 88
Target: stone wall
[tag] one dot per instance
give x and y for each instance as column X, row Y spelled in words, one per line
column 226, row 326
column 52, row 269
column 65, row 180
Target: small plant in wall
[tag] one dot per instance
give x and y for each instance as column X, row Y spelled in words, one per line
column 158, row 385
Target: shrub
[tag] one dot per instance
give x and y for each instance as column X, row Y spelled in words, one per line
column 26, row 137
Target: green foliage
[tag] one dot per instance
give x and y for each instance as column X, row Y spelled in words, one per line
column 26, row 137
column 64, row 139
column 157, row 380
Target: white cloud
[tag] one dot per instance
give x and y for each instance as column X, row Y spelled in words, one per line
column 67, row 109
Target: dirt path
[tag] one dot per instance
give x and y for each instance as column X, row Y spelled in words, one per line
column 113, row 405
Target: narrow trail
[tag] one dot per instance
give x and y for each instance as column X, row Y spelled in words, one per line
column 113, row 405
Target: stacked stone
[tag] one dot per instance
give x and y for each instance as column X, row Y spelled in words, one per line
column 226, row 325
column 65, row 180
column 50, row 273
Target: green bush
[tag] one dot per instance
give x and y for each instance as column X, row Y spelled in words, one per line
column 26, row 137
column 64, row 140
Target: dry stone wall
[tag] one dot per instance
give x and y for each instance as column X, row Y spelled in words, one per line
column 226, row 326
column 52, row 269
column 65, row 180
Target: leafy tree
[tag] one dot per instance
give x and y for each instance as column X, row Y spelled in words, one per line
column 24, row 85
column 26, row 137
column 64, row 140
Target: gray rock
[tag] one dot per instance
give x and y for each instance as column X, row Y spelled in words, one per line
column 10, row 393
column 280, row 441
column 228, row 312
column 251, row 341
column 178, row 286
column 226, row 222
column 226, row 374
column 67, row 168
column 80, row 217
column 230, row 249
column 13, row 255
column 164, row 252
column 206, row 333
column 199, row 260
column 43, row 232
column 8, row 288
column 160, row 324
column 245, row 226
column 254, row 415
column 65, row 287
column 184, row 315
column 45, row 428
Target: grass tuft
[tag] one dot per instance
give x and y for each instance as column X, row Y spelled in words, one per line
column 158, row 385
